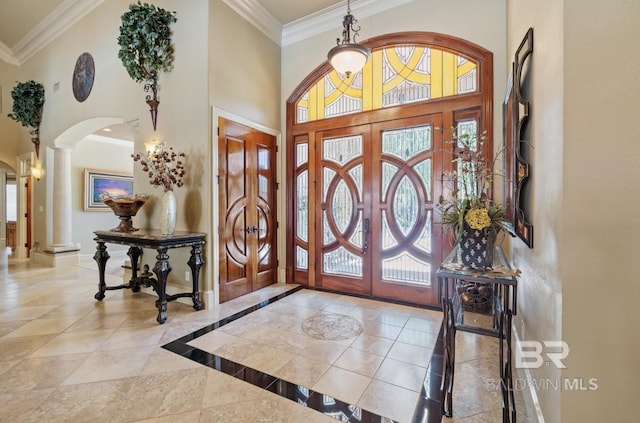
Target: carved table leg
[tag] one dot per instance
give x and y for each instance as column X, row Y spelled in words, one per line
column 448, row 370
column 134, row 254
column 162, row 269
column 101, row 256
column 195, row 263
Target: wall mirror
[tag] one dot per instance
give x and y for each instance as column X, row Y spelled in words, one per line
column 515, row 116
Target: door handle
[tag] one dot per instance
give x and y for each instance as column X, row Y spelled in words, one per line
column 365, row 242
column 251, row 229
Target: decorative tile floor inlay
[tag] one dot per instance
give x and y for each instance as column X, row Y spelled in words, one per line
column 332, row 327
column 427, row 408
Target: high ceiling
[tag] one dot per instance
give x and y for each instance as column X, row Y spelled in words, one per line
column 23, row 21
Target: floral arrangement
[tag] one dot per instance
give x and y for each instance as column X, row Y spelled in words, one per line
column 469, row 202
column 163, row 166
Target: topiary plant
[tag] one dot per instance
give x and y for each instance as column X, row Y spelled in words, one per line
column 28, row 102
column 145, row 47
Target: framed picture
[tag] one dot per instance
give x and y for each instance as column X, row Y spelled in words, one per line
column 98, row 182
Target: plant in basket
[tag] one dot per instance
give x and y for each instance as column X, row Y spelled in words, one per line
column 474, row 220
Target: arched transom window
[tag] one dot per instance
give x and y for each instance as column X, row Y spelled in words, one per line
column 393, row 76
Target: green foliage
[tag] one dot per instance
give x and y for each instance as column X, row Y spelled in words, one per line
column 28, row 102
column 145, row 41
column 469, row 202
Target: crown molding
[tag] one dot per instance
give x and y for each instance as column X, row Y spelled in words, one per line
column 330, row 18
column 258, row 16
column 7, row 55
column 55, row 24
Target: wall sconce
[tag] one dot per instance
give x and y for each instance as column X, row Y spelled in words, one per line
column 151, row 146
column 37, row 172
column 348, row 57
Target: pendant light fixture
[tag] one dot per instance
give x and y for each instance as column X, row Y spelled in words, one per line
column 348, row 57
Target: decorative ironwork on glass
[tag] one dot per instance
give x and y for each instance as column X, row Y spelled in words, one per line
column 342, row 150
column 388, row 172
column 423, row 169
column 342, row 261
column 405, row 205
column 302, row 258
column 328, row 237
column 405, row 268
column 302, row 201
column 302, row 153
column 344, row 98
column 356, row 174
column 342, row 207
column 407, row 142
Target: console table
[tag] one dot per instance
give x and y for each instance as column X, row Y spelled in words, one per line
column 161, row 243
column 482, row 302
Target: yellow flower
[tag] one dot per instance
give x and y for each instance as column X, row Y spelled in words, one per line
column 478, row 218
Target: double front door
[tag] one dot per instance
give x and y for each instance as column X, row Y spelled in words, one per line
column 374, row 194
column 247, row 199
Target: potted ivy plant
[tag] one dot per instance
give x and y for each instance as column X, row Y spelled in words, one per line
column 145, row 47
column 28, row 103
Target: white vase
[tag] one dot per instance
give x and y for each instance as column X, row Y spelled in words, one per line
column 167, row 212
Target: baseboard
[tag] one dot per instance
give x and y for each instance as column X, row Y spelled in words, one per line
column 530, row 395
column 55, row 259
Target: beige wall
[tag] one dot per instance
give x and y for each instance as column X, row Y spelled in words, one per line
column 600, row 228
column 10, row 130
column 183, row 117
column 96, row 155
column 579, row 283
column 540, row 292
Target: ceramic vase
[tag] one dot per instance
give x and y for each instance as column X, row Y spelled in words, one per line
column 476, row 247
column 167, row 212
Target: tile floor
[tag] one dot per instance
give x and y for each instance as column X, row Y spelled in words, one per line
column 66, row 357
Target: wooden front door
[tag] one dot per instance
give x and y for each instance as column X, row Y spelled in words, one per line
column 376, row 192
column 247, row 184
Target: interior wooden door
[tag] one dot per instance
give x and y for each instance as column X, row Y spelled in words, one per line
column 343, row 209
column 407, row 162
column 247, row 201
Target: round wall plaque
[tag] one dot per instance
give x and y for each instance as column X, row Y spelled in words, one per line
column 83, row 75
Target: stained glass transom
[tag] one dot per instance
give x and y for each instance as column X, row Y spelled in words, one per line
column 393, row 76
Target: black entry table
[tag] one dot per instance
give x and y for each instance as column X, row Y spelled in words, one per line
column 161, row 243
column 482, row 302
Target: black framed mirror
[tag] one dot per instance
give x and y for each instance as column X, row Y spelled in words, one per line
column 516, row 166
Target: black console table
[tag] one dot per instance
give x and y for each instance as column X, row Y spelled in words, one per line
column 161, row 243
column 482, row 302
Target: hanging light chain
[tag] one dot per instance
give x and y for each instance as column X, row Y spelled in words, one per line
column 350, row 25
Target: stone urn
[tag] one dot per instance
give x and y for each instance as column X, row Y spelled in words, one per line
column 125, row 208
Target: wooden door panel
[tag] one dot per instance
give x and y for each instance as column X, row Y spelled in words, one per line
column 266, row 224
column 235, row 256
column 403, row 200
column 343, row 210
column 247, row 209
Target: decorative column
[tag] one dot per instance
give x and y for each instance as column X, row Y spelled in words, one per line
column 62, row 197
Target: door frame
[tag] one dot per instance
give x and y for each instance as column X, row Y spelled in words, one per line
column 212, row 295
column 25, row 204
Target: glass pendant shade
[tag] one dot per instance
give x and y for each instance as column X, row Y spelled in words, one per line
column 348, row 58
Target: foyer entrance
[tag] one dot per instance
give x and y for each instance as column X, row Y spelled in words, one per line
column 247, row 185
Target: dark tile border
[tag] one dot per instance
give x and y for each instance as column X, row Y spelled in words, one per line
column 428, row 408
